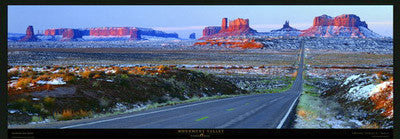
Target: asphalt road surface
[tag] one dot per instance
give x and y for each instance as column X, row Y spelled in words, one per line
column 250, row 111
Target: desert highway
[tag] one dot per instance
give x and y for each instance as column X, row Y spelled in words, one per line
column 249, row 111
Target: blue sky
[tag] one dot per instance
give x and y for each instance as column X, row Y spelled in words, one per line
column 187, row 19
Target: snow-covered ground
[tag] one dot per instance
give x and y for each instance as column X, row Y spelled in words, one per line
column 350, row 104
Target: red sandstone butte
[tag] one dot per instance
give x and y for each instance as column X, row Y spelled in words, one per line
column 238, row 24
column 237, row 27
column 71, row 34
column 208, row 31
column 346, row 20
column 56, row 31
column 30, row 36
column 224, row 25
column 346, row 25
column 110, row 31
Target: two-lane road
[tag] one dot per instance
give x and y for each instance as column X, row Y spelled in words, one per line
column 250, row 111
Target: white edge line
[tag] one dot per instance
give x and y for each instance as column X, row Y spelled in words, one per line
column 287, row 113
column 290, row 109
column 101, row 121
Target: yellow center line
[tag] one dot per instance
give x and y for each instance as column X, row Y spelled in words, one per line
column 231, row 109
column 202, row 118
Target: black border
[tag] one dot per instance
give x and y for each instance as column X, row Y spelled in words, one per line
column 396, row 60
column 173, row 133
column 3, row 71
column 198, row 2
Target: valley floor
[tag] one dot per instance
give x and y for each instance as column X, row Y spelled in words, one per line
column 247, row 71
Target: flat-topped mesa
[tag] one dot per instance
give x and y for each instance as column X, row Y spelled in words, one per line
column 346, row 25
column 134, row 34
column 346, row 20
column 110, row 31
column 349, row 20
column 71, row 35
column 323, row 20
column 54, row 31
column 237, row 27
column 30, row 35
column 208, row 31
column 238, row 24
column 157, row 33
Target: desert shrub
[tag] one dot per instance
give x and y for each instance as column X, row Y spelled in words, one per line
column 96, row 84
column 49, row 101
column 13, row 73
column 86, row 74
column 36, row 119
column 28, row 73
column 371, row 126
column 96, row 76
column 82, row 113
column 61, row 71
column 24, row 106
column 162, row 68
column 384, row 100
column 125, row 68
column 124, row 76
column 65, row 115
column 294, row 74
column 123, row 80
column 23, row 82
column 44, row 77
column 69, row 114
column 69, row 77
column 118, row 71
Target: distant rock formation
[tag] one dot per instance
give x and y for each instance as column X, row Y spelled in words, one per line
column 346, row 25
column 56, row 31
column 71, row 35
column 134, row 34
column 30, row 35
column 286, row 30
column 237, row 27
column 224, row 25
column 286, row 27
column 110, row 31
column 192, row 36
column 156, row 33
column 211, row 30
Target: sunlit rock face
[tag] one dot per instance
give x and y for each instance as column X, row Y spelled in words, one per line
column 30, row 35
column 134, row 33
column 346, row 25
column 54, row 31
column 237, row 27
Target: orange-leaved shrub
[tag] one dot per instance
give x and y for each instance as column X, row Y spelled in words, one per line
column 383, row 99
column 23, row 82
column 86, row 74
column 69, row 114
